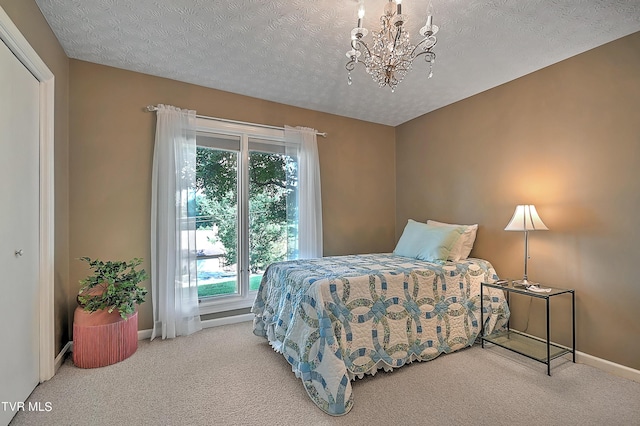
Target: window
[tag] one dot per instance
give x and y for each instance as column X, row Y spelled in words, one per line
column 245, row 208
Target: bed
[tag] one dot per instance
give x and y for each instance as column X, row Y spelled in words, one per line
column 336, row 319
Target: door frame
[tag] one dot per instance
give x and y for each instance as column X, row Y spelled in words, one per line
column 15, row 41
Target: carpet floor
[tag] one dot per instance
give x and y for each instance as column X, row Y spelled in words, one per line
column 227, row 376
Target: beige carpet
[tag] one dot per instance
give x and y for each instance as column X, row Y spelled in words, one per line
column 228, row 376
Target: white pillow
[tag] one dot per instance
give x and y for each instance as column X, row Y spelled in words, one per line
column 427, row 242
column 462, row 248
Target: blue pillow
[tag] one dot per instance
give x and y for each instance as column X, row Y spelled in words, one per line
column 427, row 242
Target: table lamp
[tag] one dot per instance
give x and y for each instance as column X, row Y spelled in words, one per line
column 526, row 219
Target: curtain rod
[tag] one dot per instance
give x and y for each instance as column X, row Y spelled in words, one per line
column 153, row 108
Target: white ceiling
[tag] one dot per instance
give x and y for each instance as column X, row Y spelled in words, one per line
column 293, row 52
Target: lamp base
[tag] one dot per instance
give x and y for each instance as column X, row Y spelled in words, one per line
column 525, row 283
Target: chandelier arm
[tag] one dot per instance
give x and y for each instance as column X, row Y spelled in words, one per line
column 396, row 39
column 430, row 57
column 432, row 54
column 351, row 65
column 435, row 41
column 357, row 43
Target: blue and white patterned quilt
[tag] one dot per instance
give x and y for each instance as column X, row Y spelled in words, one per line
column 338, row 318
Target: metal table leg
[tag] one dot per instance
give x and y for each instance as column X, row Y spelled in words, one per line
column 548, row 345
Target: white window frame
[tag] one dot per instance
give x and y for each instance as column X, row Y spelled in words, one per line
column 245, row 298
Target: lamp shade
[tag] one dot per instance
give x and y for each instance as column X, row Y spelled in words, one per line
column 526, row 218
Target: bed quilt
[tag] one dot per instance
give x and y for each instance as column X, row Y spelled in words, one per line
column 338, row 318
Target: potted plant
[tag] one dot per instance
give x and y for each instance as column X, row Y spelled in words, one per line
column 113, row 286
column 105, row 324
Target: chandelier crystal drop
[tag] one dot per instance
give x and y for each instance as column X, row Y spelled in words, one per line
column 390, row 54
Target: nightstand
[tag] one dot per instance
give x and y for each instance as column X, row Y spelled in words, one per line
column 541, row 350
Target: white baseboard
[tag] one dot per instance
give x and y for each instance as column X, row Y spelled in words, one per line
column 146, row 334
column 60, row 358
column 608, row 366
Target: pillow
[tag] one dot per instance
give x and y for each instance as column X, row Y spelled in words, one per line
column 463, row 246
column 427, row 242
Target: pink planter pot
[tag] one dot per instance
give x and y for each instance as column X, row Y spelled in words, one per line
column 101, row 338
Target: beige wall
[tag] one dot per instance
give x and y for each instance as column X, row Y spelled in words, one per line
column 29, row 20
column 567, row 139
column 111, row 148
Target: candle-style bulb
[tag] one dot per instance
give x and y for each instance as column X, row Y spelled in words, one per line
column 399, row 10
column 429, row 16
column 360, row 13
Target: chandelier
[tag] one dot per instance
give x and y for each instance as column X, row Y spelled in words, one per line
column 389, row 56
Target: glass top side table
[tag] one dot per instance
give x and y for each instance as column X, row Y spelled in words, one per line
column 541, row 350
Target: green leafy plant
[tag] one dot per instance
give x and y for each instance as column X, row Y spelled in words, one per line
column 113, row 285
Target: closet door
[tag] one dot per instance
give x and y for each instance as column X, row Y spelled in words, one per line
column 19, row 233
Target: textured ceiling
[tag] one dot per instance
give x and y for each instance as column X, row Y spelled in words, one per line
column 293, row 51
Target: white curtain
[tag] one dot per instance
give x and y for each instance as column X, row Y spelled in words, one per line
column 302, row 143
column 173, row 255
